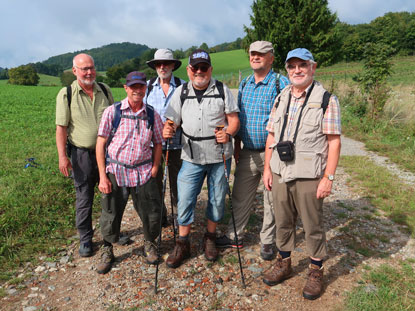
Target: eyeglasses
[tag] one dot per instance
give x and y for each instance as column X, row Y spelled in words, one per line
column 202, row 68
column 85, row 69
column 165, row 63
column 302, row 66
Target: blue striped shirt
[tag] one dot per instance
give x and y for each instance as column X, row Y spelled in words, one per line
column 159, row 101
column 255, row 102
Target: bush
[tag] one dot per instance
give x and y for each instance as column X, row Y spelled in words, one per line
column 23, row 75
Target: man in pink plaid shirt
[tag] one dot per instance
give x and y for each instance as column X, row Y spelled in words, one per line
column 128, row 164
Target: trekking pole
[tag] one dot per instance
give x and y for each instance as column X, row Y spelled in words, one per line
column 166, row 164
column 219, row 128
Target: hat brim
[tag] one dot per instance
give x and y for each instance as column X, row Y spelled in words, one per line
column 152, row 63
column 135, row 82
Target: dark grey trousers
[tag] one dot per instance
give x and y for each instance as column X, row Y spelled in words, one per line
column 146, row 202
column 85, row 174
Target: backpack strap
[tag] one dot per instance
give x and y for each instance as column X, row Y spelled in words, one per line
column 185, row 92
column 69, row 95
column 150, row 85
column 69, row 92
column 277, row 83
column 325, row 104
column 150, row 116
column 177, row 81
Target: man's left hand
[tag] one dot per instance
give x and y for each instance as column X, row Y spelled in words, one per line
column 324, row 188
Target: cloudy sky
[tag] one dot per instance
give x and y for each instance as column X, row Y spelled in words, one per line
column 33, row 30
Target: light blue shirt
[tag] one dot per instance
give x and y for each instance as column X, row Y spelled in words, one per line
column 160, row 102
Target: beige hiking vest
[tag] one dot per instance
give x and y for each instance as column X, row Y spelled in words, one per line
column 311, row 145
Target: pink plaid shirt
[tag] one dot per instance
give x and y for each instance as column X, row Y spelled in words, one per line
column 131, row 144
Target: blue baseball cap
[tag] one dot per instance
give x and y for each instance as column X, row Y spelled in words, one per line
column 300, row 53
column 135, row 77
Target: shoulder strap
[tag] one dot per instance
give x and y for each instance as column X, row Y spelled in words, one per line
column 103, row 88
column 277, row 83
column 177, row 81
column 184, row 94
column 325, row 104
column 69, row 95
column 219, row 86
column 115, row 123
column 150, row 84
column 150, row 115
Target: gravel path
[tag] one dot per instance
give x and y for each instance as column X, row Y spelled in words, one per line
column 352, row 225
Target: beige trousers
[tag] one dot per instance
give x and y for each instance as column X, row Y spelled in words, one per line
column 298, row 198
column 248, row 174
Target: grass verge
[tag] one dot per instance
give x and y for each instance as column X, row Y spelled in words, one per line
column 384, row 190
column 386, row 288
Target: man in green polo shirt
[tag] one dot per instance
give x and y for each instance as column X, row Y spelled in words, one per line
column 78, row 115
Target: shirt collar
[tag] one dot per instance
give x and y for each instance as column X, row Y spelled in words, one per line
column 126, row 106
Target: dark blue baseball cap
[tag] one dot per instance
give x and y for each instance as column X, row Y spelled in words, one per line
column 300, row 53
column 135, row 77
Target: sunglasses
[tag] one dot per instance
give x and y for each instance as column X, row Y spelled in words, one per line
column 202, row 68
column 165, row 63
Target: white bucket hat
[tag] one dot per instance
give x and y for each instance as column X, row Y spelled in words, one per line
column 164, row 55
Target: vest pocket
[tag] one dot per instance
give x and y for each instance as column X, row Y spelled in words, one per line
column 307, row 165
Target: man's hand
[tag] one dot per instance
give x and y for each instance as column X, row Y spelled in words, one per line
column 154, row 171
column 221, row 136
column 168, row 130
column 267, row 179
column 324, row 188
column 65, row 165
column 104, row 184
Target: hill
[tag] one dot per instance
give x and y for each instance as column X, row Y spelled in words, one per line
column 105, row 56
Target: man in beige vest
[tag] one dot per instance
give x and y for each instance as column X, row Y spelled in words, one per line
column 302, row 152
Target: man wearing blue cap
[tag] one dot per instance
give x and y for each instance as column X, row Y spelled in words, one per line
column 302, row 152
column 128, row 164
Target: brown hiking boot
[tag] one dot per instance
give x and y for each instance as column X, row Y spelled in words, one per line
column 150, row 252
column 279, row 272
column 314, row 286
column 209, row 246
column 107, row 258
column 180, row 252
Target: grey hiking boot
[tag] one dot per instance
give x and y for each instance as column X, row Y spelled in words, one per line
column 267, row 251
column 85, row 249
column 150, row 252
column 107, row 258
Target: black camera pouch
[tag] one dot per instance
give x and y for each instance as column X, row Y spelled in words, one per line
column 285, row 150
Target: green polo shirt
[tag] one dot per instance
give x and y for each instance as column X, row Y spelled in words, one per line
column 83, row 118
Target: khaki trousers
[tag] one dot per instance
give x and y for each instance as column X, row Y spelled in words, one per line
column 298, row 198
column 248, row 174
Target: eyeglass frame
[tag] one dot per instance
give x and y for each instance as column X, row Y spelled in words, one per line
column 196, row 68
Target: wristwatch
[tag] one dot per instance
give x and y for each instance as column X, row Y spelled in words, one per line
column 330, row 177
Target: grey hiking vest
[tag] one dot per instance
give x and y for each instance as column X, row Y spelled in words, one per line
column 311, row 147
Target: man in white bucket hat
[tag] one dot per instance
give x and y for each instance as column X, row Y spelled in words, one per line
column 159, row 92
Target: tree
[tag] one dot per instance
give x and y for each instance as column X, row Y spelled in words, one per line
column 293, row 24
column 377, row 67
column 23, row 75
column 67, row 77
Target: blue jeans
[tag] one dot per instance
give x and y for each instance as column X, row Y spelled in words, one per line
column 189, row 184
